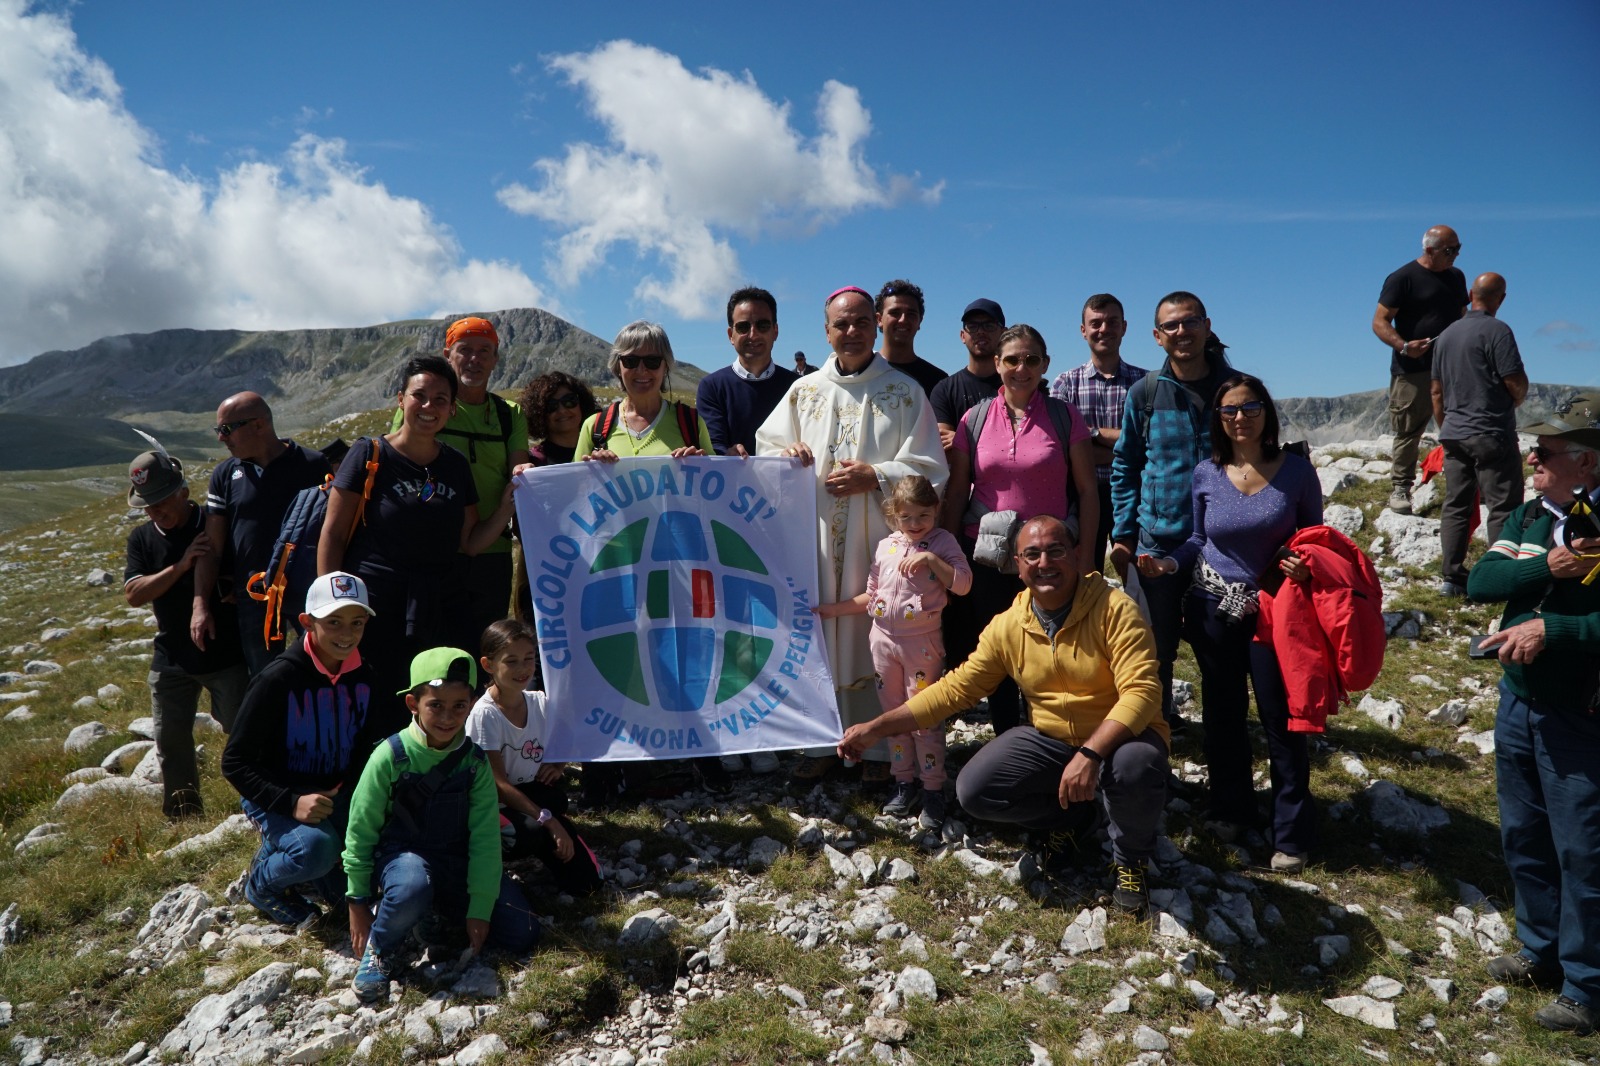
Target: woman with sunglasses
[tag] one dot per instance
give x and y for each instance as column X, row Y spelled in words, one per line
column 645, row 422
column 1248, row 501
column 1031, row 454
column 556, row 405
column 423, row 509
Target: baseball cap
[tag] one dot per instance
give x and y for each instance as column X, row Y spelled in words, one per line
column 332, row 591
column 1576, row 419
column 155, row 476
column 438, row 665
column 984, row 307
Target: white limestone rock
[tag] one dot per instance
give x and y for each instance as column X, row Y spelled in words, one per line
column 82, row 793
column 1365, row 1009
column 1387, row 713
column 85, row 736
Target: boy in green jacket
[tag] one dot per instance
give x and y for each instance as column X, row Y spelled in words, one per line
column 424, row 831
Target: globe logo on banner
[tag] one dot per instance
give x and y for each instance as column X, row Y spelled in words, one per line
column 663, row 567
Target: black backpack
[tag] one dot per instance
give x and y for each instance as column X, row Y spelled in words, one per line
column 688, row 423
column 503, row 409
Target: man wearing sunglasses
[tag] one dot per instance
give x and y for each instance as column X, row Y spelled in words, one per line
column 1417, row 302
column 1478, row 384
column 246, row 500
column 493, row 434
column 736, row 399
column 1547, row 727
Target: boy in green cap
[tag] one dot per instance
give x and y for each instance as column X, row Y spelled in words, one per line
column 424, row 831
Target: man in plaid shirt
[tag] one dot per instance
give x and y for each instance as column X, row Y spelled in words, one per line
column 1099, row 390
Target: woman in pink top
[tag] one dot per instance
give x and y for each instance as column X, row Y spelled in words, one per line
column 1019, row 462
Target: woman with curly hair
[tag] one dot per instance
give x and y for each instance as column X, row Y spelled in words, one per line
column 556, row 405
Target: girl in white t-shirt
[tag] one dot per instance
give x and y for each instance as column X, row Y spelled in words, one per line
column 508, row 723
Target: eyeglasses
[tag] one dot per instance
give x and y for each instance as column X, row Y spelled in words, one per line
column 1252, row 409
column 760, row 325
column 1032, row 361
column 1192, row 322
column 1034, row 556
column 631, row 362
column 225, row 430
column 568, row 400
column 980, row 325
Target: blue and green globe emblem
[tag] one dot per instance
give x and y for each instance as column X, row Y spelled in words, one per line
column 681, row 590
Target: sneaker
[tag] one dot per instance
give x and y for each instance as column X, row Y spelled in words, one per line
column 1520, row 969
column 934, row 808
column 813, row 768
column 713, row 777
column 1400, row 500
column 734, row 764
column 1284, row 863
column 1131, row 893
column 1566, row 1015
column 371, row 982
column 1450, row 590
column 284, row 908
column 904, row 800
column 763, row 762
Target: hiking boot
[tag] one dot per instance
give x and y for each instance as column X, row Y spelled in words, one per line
column 1400, row 500
column 431, row 932
column 1566, row 1016
column 284, row 908
column 602, row 784
column 1523, row 970
column 1131, row 893
column 1058, row 851
column 763, row 762
column 875, row 775
column 1284, row 863
column 934, row 808
column 371, row 982
column 813, row 768
column 713, row 777
column 904, row 800
column 734, row 764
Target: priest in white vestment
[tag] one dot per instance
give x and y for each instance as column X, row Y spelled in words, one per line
column 861, row 425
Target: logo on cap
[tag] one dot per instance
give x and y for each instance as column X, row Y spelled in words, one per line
column 140, row 475
column 344, row 588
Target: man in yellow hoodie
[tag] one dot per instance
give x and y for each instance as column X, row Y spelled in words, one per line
column 1085, row 659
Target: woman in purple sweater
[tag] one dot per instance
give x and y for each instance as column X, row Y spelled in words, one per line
column 1248, row 501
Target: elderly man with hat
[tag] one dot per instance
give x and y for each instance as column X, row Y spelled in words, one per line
column 162, row 554
column 1544, row 568
column 492, row 433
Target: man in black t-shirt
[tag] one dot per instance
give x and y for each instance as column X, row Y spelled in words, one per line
column 981, row 325
column 1417, row 302
column 248, row 496
column 899, row 310
column 162, row 555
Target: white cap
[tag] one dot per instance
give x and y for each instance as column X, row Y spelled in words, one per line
column 332, row 591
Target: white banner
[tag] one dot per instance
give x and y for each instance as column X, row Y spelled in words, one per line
column 673, row 599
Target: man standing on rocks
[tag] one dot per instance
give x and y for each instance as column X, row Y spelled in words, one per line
column 1547, row 727
column 162, row 555
column 900, row 309
column 1085, row 659
column 861, row 426
column 1099, row 390
column 493, row 434
column 1166, row 431
column 249, row 494
column 981, row 325
column 1417, row 302
column 1478, row 383
column 735, row 400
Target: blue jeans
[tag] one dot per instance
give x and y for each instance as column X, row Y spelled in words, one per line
column 296, row 855
column 412, row 886
column 1547, row 768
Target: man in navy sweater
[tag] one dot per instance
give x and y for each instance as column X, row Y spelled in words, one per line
column 735, row 400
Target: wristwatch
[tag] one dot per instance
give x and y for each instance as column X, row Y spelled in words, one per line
column 1094, row 434
column 544, row 815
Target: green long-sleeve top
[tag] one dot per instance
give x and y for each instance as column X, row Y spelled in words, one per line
column 369, row 813
column 1515, row 571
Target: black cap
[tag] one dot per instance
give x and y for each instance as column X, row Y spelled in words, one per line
column 986, row 307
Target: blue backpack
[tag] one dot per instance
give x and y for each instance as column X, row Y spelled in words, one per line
column 293, row 564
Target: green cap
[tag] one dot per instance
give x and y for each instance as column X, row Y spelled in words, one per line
column 438, row 665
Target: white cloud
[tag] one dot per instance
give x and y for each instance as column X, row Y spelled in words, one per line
column 100, row 238
column 691, row 159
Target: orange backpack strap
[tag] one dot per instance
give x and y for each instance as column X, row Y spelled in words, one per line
column 366, row 490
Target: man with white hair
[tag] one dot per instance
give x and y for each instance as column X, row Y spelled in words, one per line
column 1547, row 727
column 1417, row 302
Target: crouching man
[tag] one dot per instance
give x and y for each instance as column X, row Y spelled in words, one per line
column 1085, row 659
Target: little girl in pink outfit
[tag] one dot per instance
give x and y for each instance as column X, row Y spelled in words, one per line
column 913, row 572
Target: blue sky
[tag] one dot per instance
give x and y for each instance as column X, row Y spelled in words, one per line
column 168, row 164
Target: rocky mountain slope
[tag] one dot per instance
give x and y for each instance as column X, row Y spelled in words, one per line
column 1365, row 415
column 309, row 376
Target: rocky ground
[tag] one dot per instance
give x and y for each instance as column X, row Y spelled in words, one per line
column 771, row 926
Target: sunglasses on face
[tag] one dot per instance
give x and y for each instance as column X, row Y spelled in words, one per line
column 567, row 400
column 631, row 362
column 225, row 430
column 1032, row 361
column 1252, row 409
column 1545, row 454
column 760, row 325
